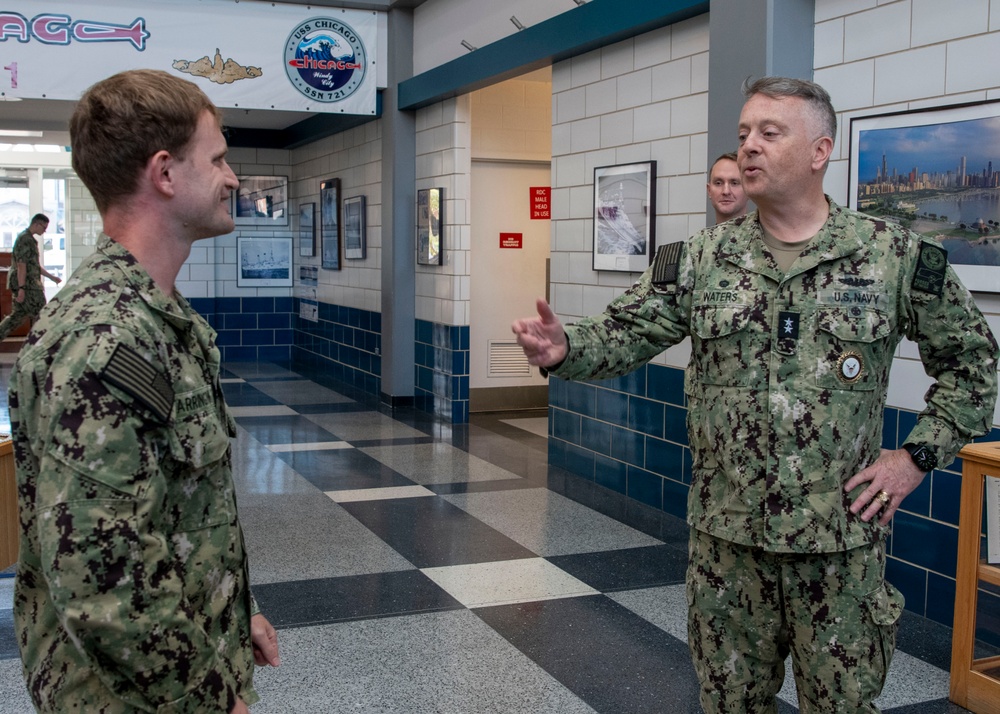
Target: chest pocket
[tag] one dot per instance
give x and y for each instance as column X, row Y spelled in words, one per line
column 200, row 436
column 722, row 348
column 199, row 444
column 854, row 348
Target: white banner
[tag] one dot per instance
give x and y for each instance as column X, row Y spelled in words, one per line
column 254, row 55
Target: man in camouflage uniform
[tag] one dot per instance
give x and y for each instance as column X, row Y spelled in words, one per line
column 132, row 589
column 25, row 277
column 794, row 313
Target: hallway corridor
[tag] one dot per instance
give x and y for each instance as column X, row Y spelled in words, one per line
column 413, row 567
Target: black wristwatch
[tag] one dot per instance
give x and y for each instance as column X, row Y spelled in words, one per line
column 923, row 457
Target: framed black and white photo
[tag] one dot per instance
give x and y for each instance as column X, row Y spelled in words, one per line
column 430, row 225
column 932, row 171
column 264, row 262
column 355, row 239
column 307, row 230
column 624, row 216
column 329, row 204
column 261, row 201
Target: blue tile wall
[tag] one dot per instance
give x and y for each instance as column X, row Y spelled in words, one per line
column 345, row 343
column 250, row 329
column 629, row 434
column 441, row 372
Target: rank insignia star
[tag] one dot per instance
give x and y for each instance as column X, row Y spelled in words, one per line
column 788, row 325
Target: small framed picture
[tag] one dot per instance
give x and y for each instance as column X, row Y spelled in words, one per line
column 261, row 201
column 264, row 262
column 307, row 230
column 355, row 240
column 329, row 204
column 430, row 225
column 624, row 216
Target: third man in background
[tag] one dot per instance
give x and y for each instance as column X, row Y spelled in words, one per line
column 725, row 188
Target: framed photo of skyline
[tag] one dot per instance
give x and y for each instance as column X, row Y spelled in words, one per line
column 935, row 172
column 624, row 216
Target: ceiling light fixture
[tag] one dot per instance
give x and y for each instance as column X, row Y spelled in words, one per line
column 19, row 132
column 517, row 23
column 469, row 47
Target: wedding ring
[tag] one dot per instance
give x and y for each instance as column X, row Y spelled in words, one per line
column 883, row 497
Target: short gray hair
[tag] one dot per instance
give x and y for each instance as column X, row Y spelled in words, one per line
column 817, row 97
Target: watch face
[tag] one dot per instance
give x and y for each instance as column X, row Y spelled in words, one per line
column 923, row 457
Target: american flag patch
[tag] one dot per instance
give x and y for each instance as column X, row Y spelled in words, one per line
column 128, row 371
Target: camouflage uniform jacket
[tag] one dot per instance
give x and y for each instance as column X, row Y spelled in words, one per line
column 132, row 589
column 788, row 374
column 25, row 251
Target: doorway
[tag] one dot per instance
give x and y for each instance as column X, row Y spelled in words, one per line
column 509, row 259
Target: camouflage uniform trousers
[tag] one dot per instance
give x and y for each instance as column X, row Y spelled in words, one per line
column 34, row 301
column 748, row 609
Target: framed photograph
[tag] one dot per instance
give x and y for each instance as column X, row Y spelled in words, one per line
column 261, row 201
column 264, row 262
column 932, row 171
column 329, row 204
column 307, row 230
column 355, row 238
column 624, row 216
column 430, row 222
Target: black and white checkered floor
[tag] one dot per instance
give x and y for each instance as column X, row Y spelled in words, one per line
column 413, row 566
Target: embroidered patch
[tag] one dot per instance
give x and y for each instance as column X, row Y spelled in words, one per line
column 665, row 263
column 931, row 266
column 788, row 325
column 128, row 371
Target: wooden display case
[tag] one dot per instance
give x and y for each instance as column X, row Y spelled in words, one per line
column 975, row 683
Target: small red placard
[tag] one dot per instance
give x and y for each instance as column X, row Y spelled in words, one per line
column 540, row 202
column 511, row 240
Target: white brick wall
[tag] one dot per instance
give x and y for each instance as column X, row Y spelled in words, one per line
column 882, row 57
column 512, row 121
column 355, row 157
column 444, row 160
column 637, row 100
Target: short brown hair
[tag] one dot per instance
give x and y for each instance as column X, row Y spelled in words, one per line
column 123, row 120
column 729, row 155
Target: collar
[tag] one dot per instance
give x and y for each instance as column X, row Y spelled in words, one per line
column 837, row 238
column 174, row 309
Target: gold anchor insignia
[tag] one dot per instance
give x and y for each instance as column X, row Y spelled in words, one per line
column 850, row 367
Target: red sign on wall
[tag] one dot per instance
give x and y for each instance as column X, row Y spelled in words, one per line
column 511, row 240
column 540, row 201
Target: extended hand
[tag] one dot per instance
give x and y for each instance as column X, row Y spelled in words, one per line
column 542, row 338
column 893, row 474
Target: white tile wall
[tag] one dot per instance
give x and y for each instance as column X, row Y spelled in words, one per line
column 512, row 121
column 868, row 34
column 355, row 157
column 655, row 107
column 444, row 159
column 964, row 18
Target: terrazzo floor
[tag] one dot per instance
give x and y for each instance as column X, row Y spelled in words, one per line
column 414, row 566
